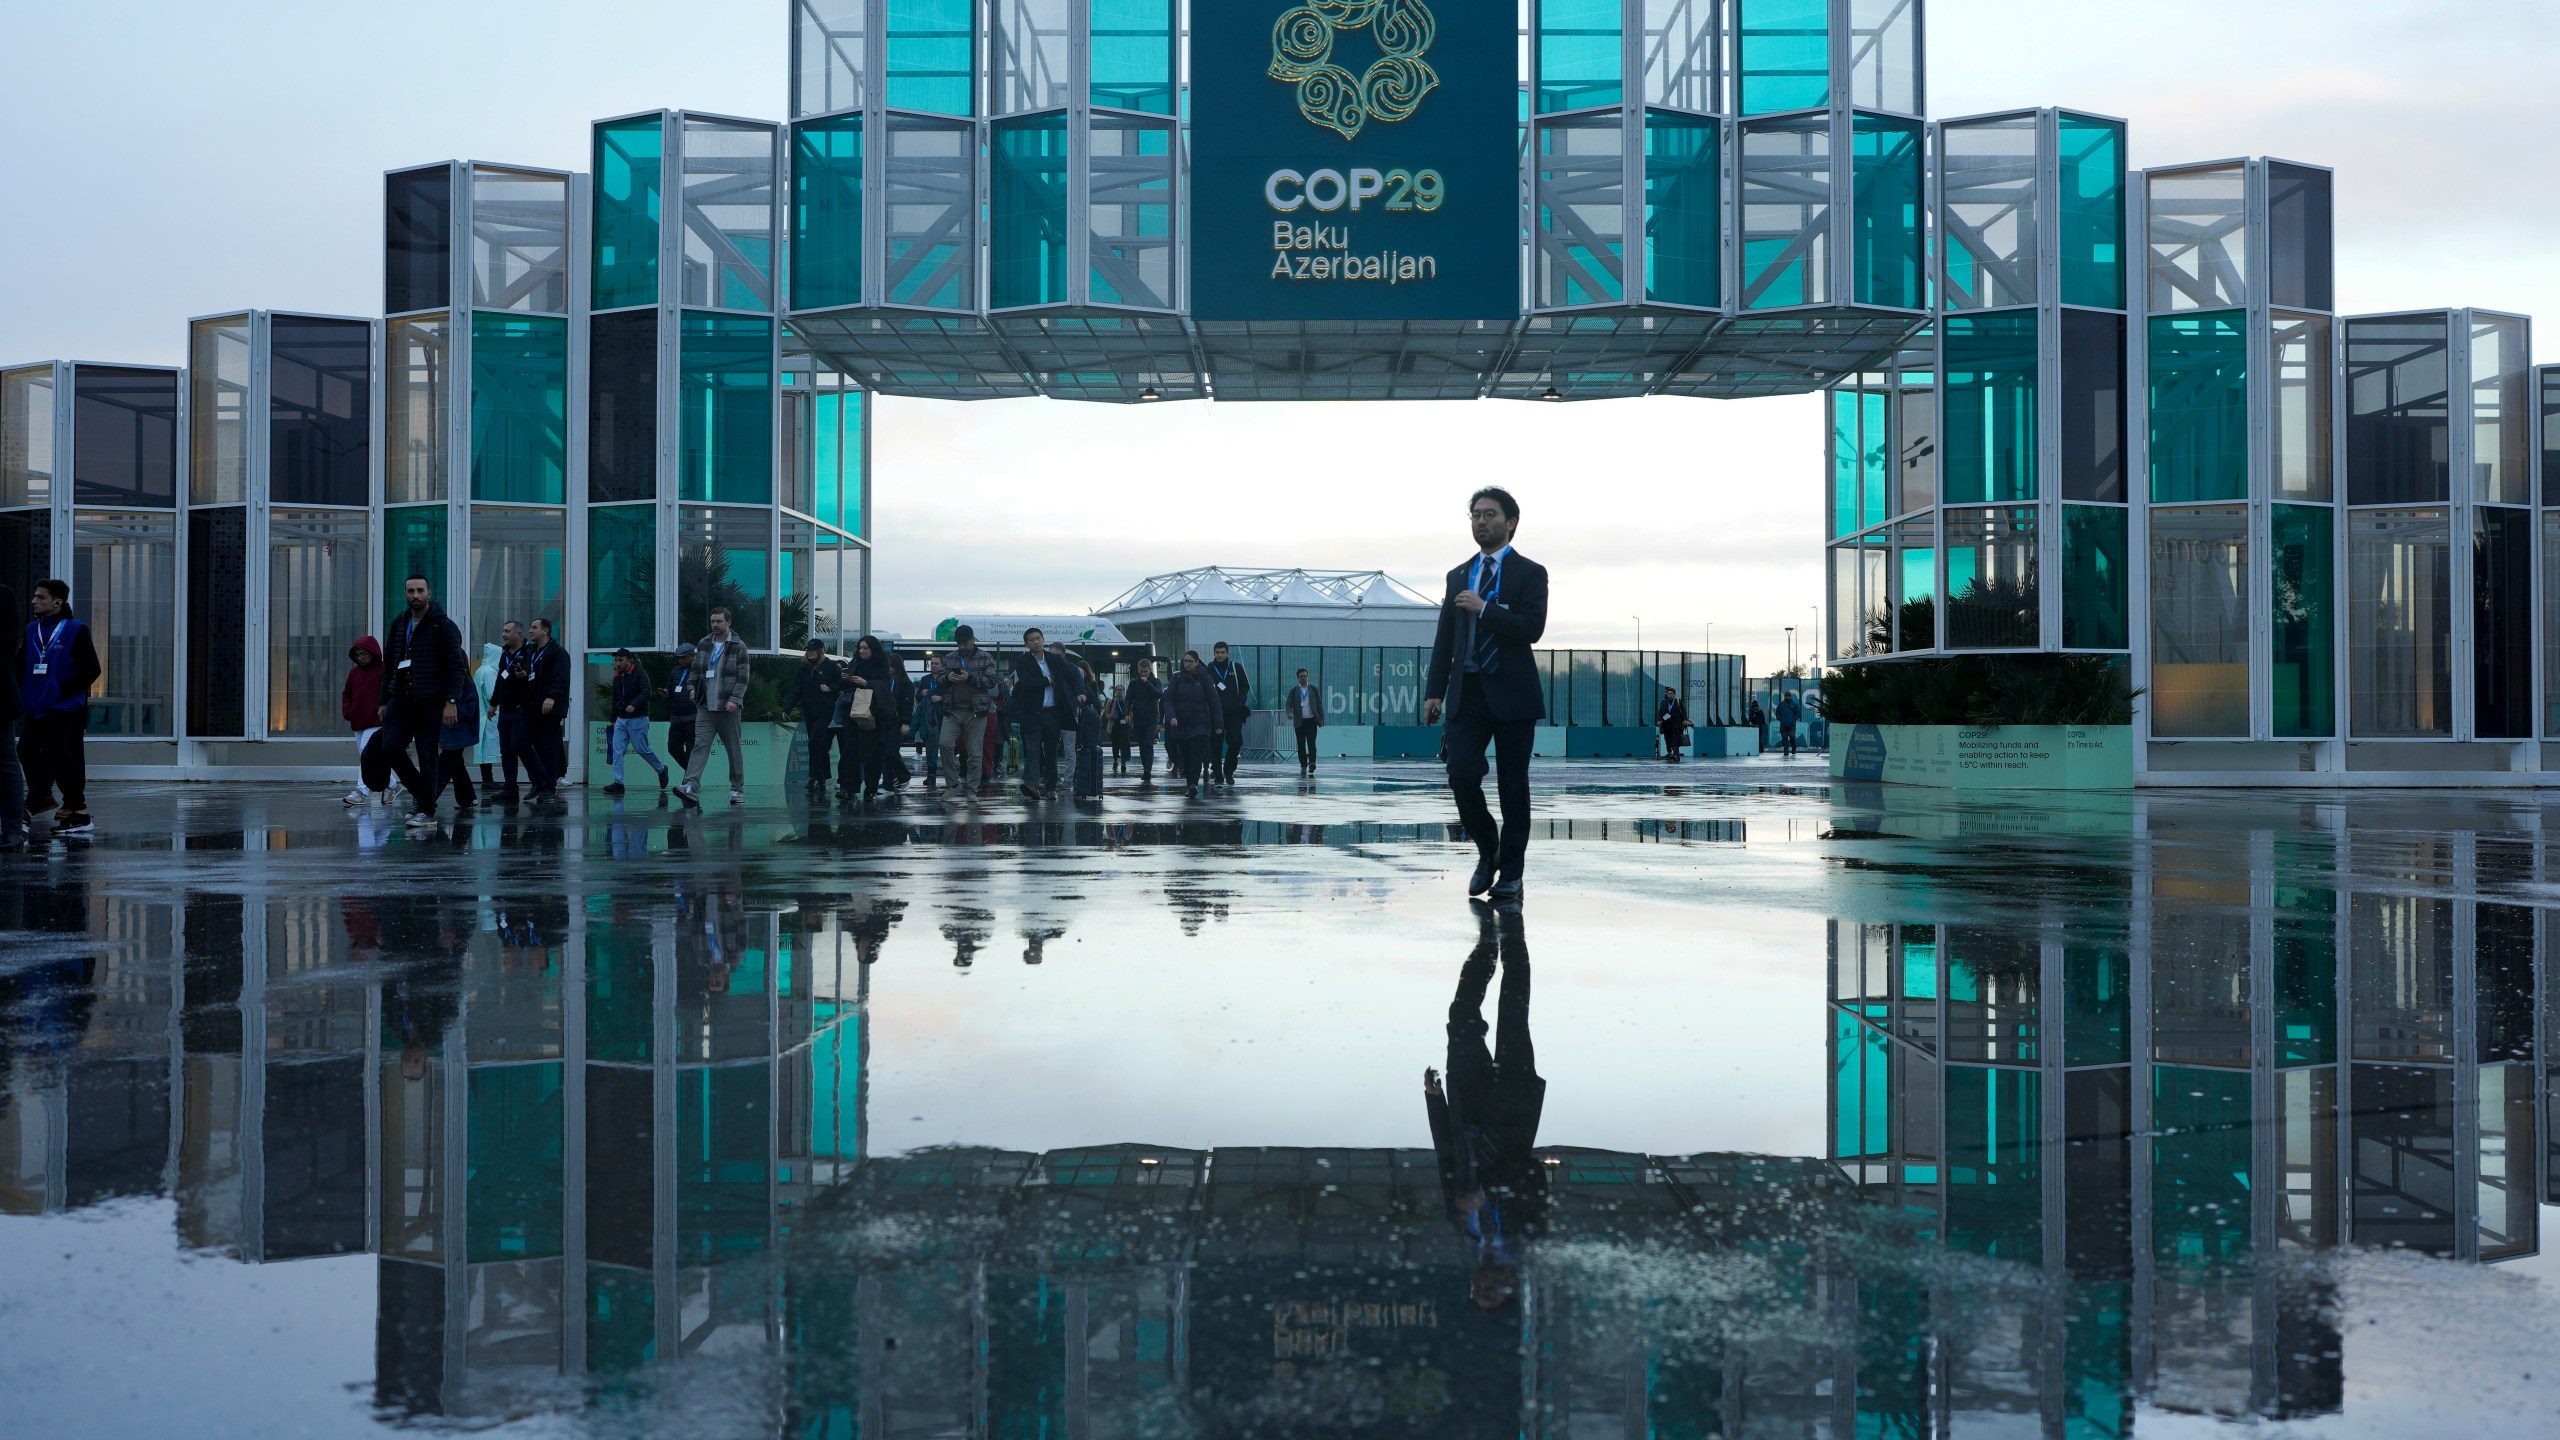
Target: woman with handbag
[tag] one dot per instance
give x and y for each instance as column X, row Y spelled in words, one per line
column 870, row 720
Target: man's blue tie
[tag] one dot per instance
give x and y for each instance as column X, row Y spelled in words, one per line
column 1487, row 651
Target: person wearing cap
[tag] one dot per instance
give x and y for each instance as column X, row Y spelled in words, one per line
column 631, row 720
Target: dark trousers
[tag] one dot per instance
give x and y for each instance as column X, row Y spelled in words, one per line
column 849, row 739
column 53, row 751
column 1040, row 734
column 546, row 752
column 416, row 726
column 1147, row 756
column 1232, row 752
column 870, row 751
column 13, row 783
column 1473, row 1066
column 822, row 744
column 679, row 742
column 1307, row 744
column 1194, row 754
column 457, row 775
column 1471, row 727
column 1120, row 754
column 510, row 745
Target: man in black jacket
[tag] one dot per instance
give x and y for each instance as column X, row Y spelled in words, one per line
column 1146, row 717
column 1484, row 1122
column 1046, row 689
column 507, row 696
column 1495, row 609
column 1235, row 699
column 630, row 720
column 813, row 697
column 429, row 675
column 546, row 710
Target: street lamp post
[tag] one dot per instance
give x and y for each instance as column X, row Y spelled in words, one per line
column 1639, row 632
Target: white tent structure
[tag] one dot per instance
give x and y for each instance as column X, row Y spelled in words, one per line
column 1194, row 609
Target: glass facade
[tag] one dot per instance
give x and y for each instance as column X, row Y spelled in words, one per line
column 1783, row 54
column 726, row 249
column 622, row 406
column 2301, row 444
column 2399, row 417
column 826, row 213
column 414, row 542
column 931, row 56
column 519, row 241
column 2501, row 410
column 1988, row 212
column 417, row 230
column 724, row 559
column 1990, row 410
column 2199, row 408
column 931, row 209
column 1133, row 55
column 1581, row 54
column 2502, row 623
column 2300, row 246
column 1993, row 598
column 1888, row 192
column 2199, row 239
column 1581, row 190
column 319, row 410
column 519, row 408
column 828, row 56
column 2094, row 613
column 1683, row 55
column 629, row 184
column 124, row 436
column 2200, row 623
column 2302, row 567
column 1683, row 210
column 518, row 571
column 218, row 412
column 1027, row 212
column 1786, row 214
column 622, row 577
column 2400, row 622
column 317, row 608
column 26, row 436
column 419, row 378
column 2092, row 212
column 1131, row 207
column 2093, row 400
column 124, row 584
column 724, row 391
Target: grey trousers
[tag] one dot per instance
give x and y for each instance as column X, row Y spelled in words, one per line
column 720, row 725
column 964, row 743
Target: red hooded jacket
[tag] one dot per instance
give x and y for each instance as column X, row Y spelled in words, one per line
column 361, row 700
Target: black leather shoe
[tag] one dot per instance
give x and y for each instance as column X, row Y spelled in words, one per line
column 1506, row 893
column 1482, row 880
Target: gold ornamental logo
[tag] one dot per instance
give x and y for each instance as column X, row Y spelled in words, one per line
column 1391, row 89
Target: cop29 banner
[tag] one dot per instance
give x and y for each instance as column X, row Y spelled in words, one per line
column 1355, row 159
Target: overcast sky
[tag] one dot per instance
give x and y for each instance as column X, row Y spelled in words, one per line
column 160, row 160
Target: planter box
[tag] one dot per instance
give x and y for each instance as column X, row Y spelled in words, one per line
column 1595, row 742
column 2000, row 757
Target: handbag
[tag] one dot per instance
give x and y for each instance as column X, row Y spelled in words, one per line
column 858, row 710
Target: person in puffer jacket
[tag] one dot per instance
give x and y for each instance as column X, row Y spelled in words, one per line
column 360, row 703
column 1194, row 720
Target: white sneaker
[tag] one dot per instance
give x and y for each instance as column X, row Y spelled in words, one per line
column 737, row 795
column 419, row 820
column 358, row 799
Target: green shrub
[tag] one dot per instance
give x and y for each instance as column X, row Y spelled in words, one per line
column 1980, row 690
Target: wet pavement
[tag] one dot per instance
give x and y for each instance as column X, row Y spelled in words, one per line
column 1781, row 1108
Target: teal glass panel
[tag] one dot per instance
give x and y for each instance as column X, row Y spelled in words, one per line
column 2097, row 1008
column 1875, row 458
column 621, row 992
column 514, row 1186
column 932, row 48
column 2306, row 974
column 2199, row 407
column 1994, row 1162
column 1581, row 54
column 1844, row 462
column 826, row 459
column 1026, row 1347
column 1785, row 55
column 1990, row 405
column 857, row 460
column 722, row 1182
column 1786, row 213
column 2092, row 211
column 2303, row 569
column 724, row 560
column 2094, row 583
column 826, row 213
column 835, row 1111
column 2200, row 1164
column 627, row 190
column 1028, row 211
column 724, row 391
column 413, row 543
column 1862, row 1091
column 1885, row 171
column 622, row 1319
column 1133, row 55
column 1916, row 607
column 622, row 577
column 519, row 408
column 1683, row 210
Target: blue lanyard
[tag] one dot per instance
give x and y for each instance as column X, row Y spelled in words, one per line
column 46, row 642
column 1495, row 593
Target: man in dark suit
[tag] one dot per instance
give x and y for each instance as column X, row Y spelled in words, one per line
column 1486, row 677
column 1046, row 689
column 546, row 710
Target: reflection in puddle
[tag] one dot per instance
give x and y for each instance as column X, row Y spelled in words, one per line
column 2116, row 1147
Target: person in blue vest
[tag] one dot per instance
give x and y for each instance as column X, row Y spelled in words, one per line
column 1485, row 675
column 57, row 668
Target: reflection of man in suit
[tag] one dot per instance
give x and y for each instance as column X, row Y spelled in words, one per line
column 1484, row 1124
